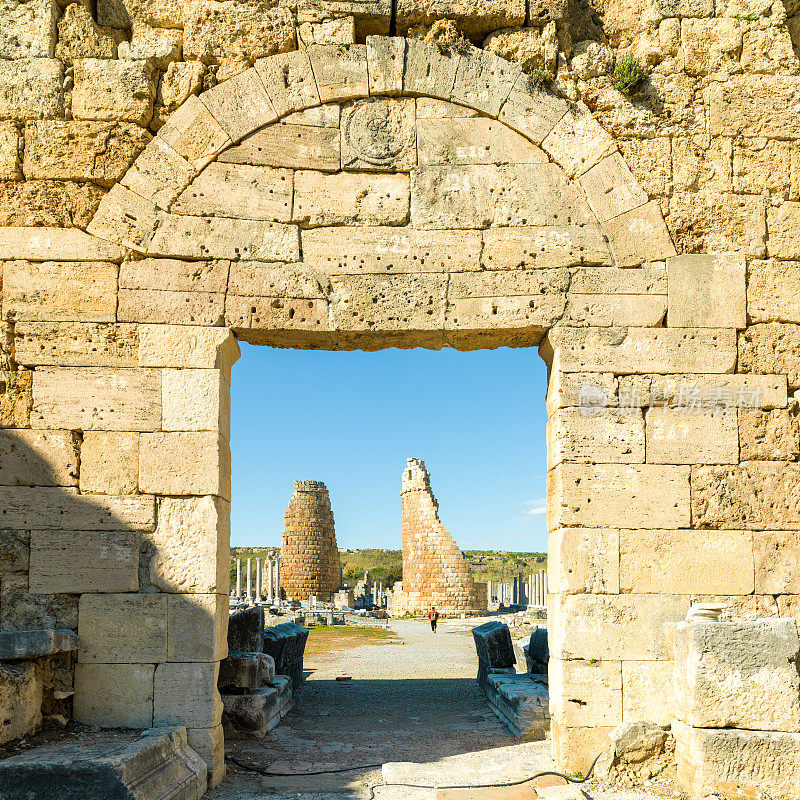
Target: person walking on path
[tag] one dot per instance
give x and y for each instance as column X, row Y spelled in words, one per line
column 433, row 616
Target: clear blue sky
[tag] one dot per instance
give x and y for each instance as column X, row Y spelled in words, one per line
column 351, row 419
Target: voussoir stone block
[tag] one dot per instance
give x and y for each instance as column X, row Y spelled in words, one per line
column 738, row 675
column 289, row 81
column 429, row 71
column 193, row 133
column 55, row 244
column 483, row 81
column 386, row 59
column 159, row 174
column 640, row 235
column 340, row 72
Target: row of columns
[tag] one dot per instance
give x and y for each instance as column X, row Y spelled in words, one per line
column 253, row 579
column 522, row 592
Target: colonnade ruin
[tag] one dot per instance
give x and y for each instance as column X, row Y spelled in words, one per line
column 179, row 177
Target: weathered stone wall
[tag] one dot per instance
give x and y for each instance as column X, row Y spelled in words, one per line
column 309, row 554
column 471, row 209
column 435, row 572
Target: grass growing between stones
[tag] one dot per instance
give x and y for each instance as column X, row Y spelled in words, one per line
column 331, row 638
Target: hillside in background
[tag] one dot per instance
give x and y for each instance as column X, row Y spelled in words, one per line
column 386, row 566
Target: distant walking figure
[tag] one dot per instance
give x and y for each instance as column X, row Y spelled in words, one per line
column 433, row 616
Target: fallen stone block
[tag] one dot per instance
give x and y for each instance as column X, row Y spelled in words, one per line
column 286, row 643
column 160, row 765
column 521, row 703
column 737, row 763
column 283, row 684
column 246, row 630
column 267, row 668
column 738, row 674
column 537, row 653
column 33, row 644
column 240, row 671
column 639, row 751
column 495, row 649
column 20, row 702
column 251, row 714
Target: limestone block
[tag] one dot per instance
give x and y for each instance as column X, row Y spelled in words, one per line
column 544, row 247
column 107, row 89
column 110, row 462
column 216, row 30
column 14, row 552
column 20, row 700
column 341, row 31
column 577, row 142
column 769, row 435
column 224, row 237
column 640, row 235
column 402, row 302
column 81, row 151
column 484, row 80
column 615, row 310
column 79, row 36
column 395, row 250
column 10, row 151
column 114, row 695
column 159, row 174
column 772, row 294
column 289, row 81
column 431, row 108
column 386, row 58
column 196, row 625
column 600, row 701
column 532, row 48
column 691, row 436
column 186, row 694
column 583, row 560
column 184, row 346
column 59, row 204
column 83, row 291
column 628, row 496
column 760, row 164
column 757, row 494
column 523, row 283
column 475, row 20
column 209, row 744
column 576, row 388
column 611, row 188
column 123, row 13
column 293, row 146
column 22, row 610
column 429, row 71
column 472, row 140
column 738, row 675
column 736, row 762
column 60, row 244
column 340, row 72
column 782, row 222
column 191, row 549
column 195, row 400
column 650, row 160
column 683, row 562
column 535, row 312
column 38, row 458
column 260, row 192
column 708, row 291
column 259, row 279
column 122, row 629
column 574, row 749
column 253, row 713
column 613, row 627
column 647, row 692
column 530, row 111
column 193, row 133
column 776, row 560
column 378, row 133
column 770, row 348
column 26, row 508
column 160, row 46
column 641, row 350
column 31, row 88
column 94, row 398
column 75, row 344
column 755, row 105
column 708, row 392
column 124, row 217
column 153, row 305
column 240, row 104
column 28, row 30
column 185, row 463
column 74, row 562
column 276, row 313
column 183, row 276
column 350, row 199
column 479, row 196
column 182, row 79
column 579, row 435
column 711, row 46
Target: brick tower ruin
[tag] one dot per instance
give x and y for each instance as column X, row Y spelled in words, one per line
column 434, row 570
column 309, row 555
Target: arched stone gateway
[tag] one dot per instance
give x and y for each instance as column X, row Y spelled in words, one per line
column 391, row 195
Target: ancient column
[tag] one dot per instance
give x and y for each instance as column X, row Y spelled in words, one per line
column 249, row 581
column 238, row 578
column 270, row 579
column 308, row 547
column 278, row 577
column 258, row 580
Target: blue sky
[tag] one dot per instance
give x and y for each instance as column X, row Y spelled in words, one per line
column 351, row 419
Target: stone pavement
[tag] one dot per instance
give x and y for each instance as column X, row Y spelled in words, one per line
column 414, row 701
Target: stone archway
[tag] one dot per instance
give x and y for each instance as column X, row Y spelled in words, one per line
column 389, row 194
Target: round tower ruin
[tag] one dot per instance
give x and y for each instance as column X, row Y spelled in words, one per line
column 309, row 554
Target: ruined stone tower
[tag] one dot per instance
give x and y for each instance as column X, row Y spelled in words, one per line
column 434, row 570
column 309, row 555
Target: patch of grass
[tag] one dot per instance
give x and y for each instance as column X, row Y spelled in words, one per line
column 541, row 78
column 627, row 75
column 330, row 638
